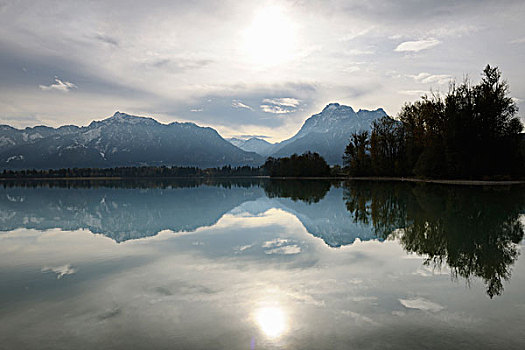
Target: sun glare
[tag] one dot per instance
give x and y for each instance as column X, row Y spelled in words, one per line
column 271, row 321
column 270, row 38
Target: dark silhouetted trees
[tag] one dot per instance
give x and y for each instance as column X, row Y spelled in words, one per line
column 387, row 148
column 475, row 232
column 133, row 172
column 471, row 133
column 357, row 154
column 306, row 165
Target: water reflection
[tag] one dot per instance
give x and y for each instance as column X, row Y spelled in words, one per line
column 309, row 191
column 474, row 231
column 228, row 265
column 271, row 320
column 121, row 210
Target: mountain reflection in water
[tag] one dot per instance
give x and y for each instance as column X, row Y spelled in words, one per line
column 475, row 231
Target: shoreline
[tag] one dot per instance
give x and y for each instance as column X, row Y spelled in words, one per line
column 442, row 181
column 339, row 178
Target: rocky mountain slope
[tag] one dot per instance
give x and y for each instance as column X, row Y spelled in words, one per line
column 328, row 132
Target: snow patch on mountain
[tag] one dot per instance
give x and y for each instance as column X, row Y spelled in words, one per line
column 120, row 140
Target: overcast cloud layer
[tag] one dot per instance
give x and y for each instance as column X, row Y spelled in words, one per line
column 244, row 67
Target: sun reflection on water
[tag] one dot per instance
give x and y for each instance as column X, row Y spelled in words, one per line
column 271, row 320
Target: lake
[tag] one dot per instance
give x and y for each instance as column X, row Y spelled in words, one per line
column 261, row 264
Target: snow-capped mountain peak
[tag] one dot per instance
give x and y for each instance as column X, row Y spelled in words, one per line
column 120, row 140
column 334, row 106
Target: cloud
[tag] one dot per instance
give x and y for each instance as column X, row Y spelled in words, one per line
column 244, row 247
column 360, row 52
column 150, row 68
column 454, row 31
column 274, row 109
column 106, row 39
column 286, row 250
column 249, row 136
column 416, row 46
column 413, row 92
column 285, row 101
column 175, row 64
column 61, row 271
column 428, row 78
column 358, row 317
column 421, row 304
column 239, row 104
column 427, row 271
column 278, row 242
column 194, row 110
column 282, row 105
column 356, row 34
column 114, row 312
column 59, row 85
column 281, row 246
column 351, row 69
column 517, row 41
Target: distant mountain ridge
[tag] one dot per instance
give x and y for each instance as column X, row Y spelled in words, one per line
column 120, row 140
column 127, row 140
column 253, row 144
column 326, row 133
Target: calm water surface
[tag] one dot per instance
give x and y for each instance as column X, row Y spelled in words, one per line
column 261, row 264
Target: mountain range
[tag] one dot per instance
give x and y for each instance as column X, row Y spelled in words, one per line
column 126, row 140
column 120, row 140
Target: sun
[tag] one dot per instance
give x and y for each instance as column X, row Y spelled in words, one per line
column 270, row 39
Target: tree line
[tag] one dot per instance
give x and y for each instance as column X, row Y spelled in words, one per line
column 134, row 172
column 305, row 165
column 472, row 132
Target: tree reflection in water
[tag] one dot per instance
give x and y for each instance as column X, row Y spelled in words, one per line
column 309, row 191
column 473, row 230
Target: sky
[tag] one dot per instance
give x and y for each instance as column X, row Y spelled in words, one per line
column 245, row 67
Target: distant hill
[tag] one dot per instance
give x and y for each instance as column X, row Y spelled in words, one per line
column 328, row 132
column 254, row 144
column 120, row 140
